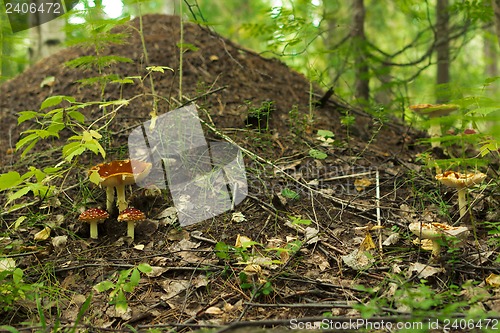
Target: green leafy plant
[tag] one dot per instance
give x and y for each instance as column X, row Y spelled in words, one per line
column 13, row 288
column 261, row 115
column 290, row 194
column 125, row 281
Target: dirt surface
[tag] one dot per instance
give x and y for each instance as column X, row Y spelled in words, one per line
column 191, row 286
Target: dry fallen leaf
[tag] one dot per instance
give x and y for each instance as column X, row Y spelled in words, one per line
column 7, row 264
column 253, row 269
column 59, row 242
column 241, row 241
column 358, row 260
column 311, row 235
column 493, row 280
column 423, row 270
column 167, row 216
column 391, row 240
column 42, row 234
column 361, row 184
column 367, row 243
column 156, row 271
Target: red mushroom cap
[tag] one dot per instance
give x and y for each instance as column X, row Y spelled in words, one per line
column 93, row 215
column 131, row 214
column 121, row 172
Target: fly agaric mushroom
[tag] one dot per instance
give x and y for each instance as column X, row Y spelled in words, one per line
column 93, row 216
column 131, row 216
column 118, row 174
column 461, row 182
column 436, row 232
column 434, row 111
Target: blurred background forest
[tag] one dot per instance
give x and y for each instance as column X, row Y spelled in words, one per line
column 384, row 54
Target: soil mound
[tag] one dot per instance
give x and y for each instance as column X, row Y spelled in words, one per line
column 229, row 83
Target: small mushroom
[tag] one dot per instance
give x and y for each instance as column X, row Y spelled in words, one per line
column 461, row 181
column 434, row 111
column 131, row 216
column 436, row 232
column 93, row 216
column 118, row 174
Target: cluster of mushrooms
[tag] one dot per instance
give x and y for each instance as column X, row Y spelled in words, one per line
column 435, row 233
column 115, row 176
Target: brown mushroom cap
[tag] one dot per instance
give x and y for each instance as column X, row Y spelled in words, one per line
column 460, row 180
column 434, row 110
column 131, row 214
column 93, row 215
column 121, row 172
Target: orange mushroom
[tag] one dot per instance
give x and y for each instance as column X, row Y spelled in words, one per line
column 131, row 216
column 434, row 111
column 461, row 181
column 118, row 174
column 93, row 216
column 436, row 232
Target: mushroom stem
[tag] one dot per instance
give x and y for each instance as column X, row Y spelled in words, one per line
column 436, row 248
column 110, row 198
column 93, row 230
column 120, row 195
column 462, row 203
column 435, row 132
column 130, row 229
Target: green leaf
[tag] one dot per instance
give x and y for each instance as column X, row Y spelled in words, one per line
column 18, row 194
column 144, row 268
column 290, row 194
column 94, row 177
column 18, row 222
column 319, row 155
column 187, row 46
column 9, row 329
column 104, row 286
column 87, row 137
column 17, row 275
column 71, row 153
column 95, row 134
column 77, row 116
column 26, row 140
column 128, row 287
column 9, row 180
column 159, row 69
column 121, row 302
column 222, row 250
column 326, row 134
column 246, row 245
column 135, row 277
column 26, row 115
column 55, row 100
column 298, row 220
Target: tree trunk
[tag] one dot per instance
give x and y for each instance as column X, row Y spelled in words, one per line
column 47, row 33
column 443, row 52
column 362, row 90
column 490, row 53
column 496, row 10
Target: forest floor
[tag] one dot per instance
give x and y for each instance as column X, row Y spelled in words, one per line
column 309, row 195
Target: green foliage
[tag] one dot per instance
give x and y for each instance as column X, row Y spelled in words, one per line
column 299, row 221
column 123, row 282
column 14, row 289
column 317, row 154
column 290, row 194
